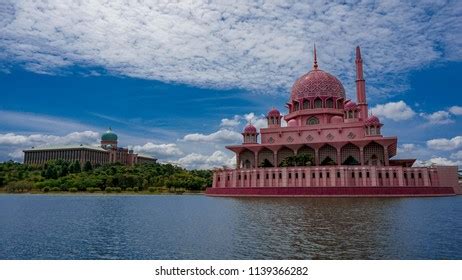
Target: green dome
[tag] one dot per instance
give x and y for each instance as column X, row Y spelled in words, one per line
column 109, row 136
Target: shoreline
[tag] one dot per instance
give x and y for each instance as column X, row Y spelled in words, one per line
column 101, row 193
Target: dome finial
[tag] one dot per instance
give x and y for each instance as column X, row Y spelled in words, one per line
column 315, row 64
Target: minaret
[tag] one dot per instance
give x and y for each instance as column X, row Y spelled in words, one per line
column 360, row 85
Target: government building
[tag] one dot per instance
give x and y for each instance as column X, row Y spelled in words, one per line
column 107, row 152
column 331, row 146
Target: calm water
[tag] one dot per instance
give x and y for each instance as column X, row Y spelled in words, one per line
column 199, row 227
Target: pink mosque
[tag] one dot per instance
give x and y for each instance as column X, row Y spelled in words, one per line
column 331, row 146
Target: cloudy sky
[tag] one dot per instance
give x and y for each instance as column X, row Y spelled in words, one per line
column 179, row 79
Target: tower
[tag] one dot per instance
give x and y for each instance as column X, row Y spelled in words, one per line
column 360, row 86
column 250, row 134
column 274, row 118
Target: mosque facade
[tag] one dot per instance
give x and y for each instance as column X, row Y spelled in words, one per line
column 107, row 152
column 331, row 146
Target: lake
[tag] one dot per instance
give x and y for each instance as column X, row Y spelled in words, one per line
column 200, row 227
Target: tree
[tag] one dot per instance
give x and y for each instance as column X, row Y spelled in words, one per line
column 75, row 167
column 266, row 163
column 328, row 161
column 63, row 169
column 87, row 167
column 298, row 160
column 351, row 161
column 50, row 172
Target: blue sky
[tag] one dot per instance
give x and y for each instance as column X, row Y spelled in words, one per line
column 179, row 81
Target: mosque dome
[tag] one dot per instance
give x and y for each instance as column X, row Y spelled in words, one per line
column 250, row 129
column 372, row 120
column 350, row 105
column 292, row 123
column 336, row 119
column 109, row 136
column 317, row 83
column 274, row 113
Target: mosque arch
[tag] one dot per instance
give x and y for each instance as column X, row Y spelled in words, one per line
column 374, row 154
column 306, row 104
column 329, row 103
column 284, row 153
column 317, row 103
column 306, row 150
column 340, row 103
column 350, row 154
column 312, row 121
column 247, row 159
column 296, row 106
column 328, row 155
column 266, row 158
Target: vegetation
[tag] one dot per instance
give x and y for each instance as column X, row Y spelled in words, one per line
column 290, row 161
column 19, row 186
column 298, row 160
column 266, row 163
column 61, row 175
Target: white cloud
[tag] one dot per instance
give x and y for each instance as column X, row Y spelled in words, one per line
column 84, row 137
column 456, row 110
column 444, row 144
column 200, row 161
column 262, row 46
column 457, row 155
column 397, row 111
column 158, row 150
column 438, row 161
column 257, row 121
column 407, row 148
column 231, row 122
column 222, row 136
column 12, row 144
column 439, row 117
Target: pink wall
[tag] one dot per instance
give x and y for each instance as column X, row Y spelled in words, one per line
column 337, row 176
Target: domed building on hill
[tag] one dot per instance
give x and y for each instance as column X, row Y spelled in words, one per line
column 107, row 152
column 330, row 146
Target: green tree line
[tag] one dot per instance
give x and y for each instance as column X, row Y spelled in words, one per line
column 60, row 175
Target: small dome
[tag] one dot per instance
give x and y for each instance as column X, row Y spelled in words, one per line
column 274, row 113
column 109, row 136
column 336, row 119
column 292, row 123
column 250, row 129
column 350, row 105
column 372, row 120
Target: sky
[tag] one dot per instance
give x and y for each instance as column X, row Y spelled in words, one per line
column 178, row 80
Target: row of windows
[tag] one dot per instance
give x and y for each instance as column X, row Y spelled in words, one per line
column 313, row 175
column 307, row 104
column 351, row 114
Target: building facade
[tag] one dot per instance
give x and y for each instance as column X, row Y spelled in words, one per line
column 330, row 146
column 107, row 152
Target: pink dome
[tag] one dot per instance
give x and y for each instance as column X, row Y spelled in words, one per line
column 372, row 120
column 274, row 113
column 336, row 119
column 292, row 123
column 250, row 129
column 350, row 105
column 317, row 83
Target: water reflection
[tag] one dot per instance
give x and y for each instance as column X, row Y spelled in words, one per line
column 198, row 227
